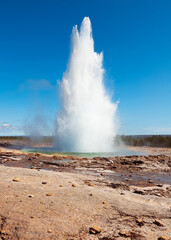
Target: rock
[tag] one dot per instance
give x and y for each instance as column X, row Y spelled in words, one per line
column 104, row 202
column 49, row 231
column 30, row 196
column 87, row 181
column 124, row 234
column 158, row 223
column 137, row 162
column 162, row 238
column 140, row 222
column 139, row 192
column 37, row 154
column 61, row 185
column 95, row 230
column 2, row 232
column 49, row 194
column 32, row 217
column 44, row 182
column 90, row 184
column 73, row 185
column 158, row 195
column 16, row 180
column 102, row 174
column 159, row 185
column 150, row 181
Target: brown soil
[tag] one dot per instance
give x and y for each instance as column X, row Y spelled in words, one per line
column 59, row 197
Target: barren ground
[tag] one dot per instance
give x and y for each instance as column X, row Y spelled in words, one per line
column 59, row 197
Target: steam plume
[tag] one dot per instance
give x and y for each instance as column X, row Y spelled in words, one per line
column 86, row 122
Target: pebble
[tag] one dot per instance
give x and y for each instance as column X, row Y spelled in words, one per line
column 140, row 222
column 91, row 184
column 104, row 202
column 2, row 231
column 124, row 234
column 49, row 194
column 162, row 238
column 73, row 185
column 44, row 182
column 158, row 195
column 150, row 181
column 49, row 231
column 61, row 185
column 30, row 196
column 159, row 185
column 158, row 223
column 16, row 180
column 95, row 230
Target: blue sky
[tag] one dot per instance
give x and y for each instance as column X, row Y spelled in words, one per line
column 134, row 35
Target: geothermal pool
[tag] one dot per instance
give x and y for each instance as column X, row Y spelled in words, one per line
column 51, row 151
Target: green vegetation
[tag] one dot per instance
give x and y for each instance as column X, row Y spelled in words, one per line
column 151, row 141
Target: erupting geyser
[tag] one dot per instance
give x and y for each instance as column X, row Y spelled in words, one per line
column 86, row 121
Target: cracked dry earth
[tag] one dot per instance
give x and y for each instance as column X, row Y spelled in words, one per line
column 60, row 199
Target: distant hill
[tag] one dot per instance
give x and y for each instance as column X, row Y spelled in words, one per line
column 147, row 140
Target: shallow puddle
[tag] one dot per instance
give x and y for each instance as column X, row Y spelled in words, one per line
column 141, row 179
column 138, row 179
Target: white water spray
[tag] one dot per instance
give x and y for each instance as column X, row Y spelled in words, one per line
column 86, row 122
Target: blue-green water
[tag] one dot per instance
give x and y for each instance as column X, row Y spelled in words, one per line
column 51, row 151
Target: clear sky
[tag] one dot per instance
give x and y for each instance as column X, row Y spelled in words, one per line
column 134, row 35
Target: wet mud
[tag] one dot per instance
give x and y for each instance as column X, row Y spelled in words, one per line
column 151, row 170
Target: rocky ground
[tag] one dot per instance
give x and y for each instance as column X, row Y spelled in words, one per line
column 61, row 197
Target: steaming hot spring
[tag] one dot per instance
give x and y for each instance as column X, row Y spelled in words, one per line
column 86, row 121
